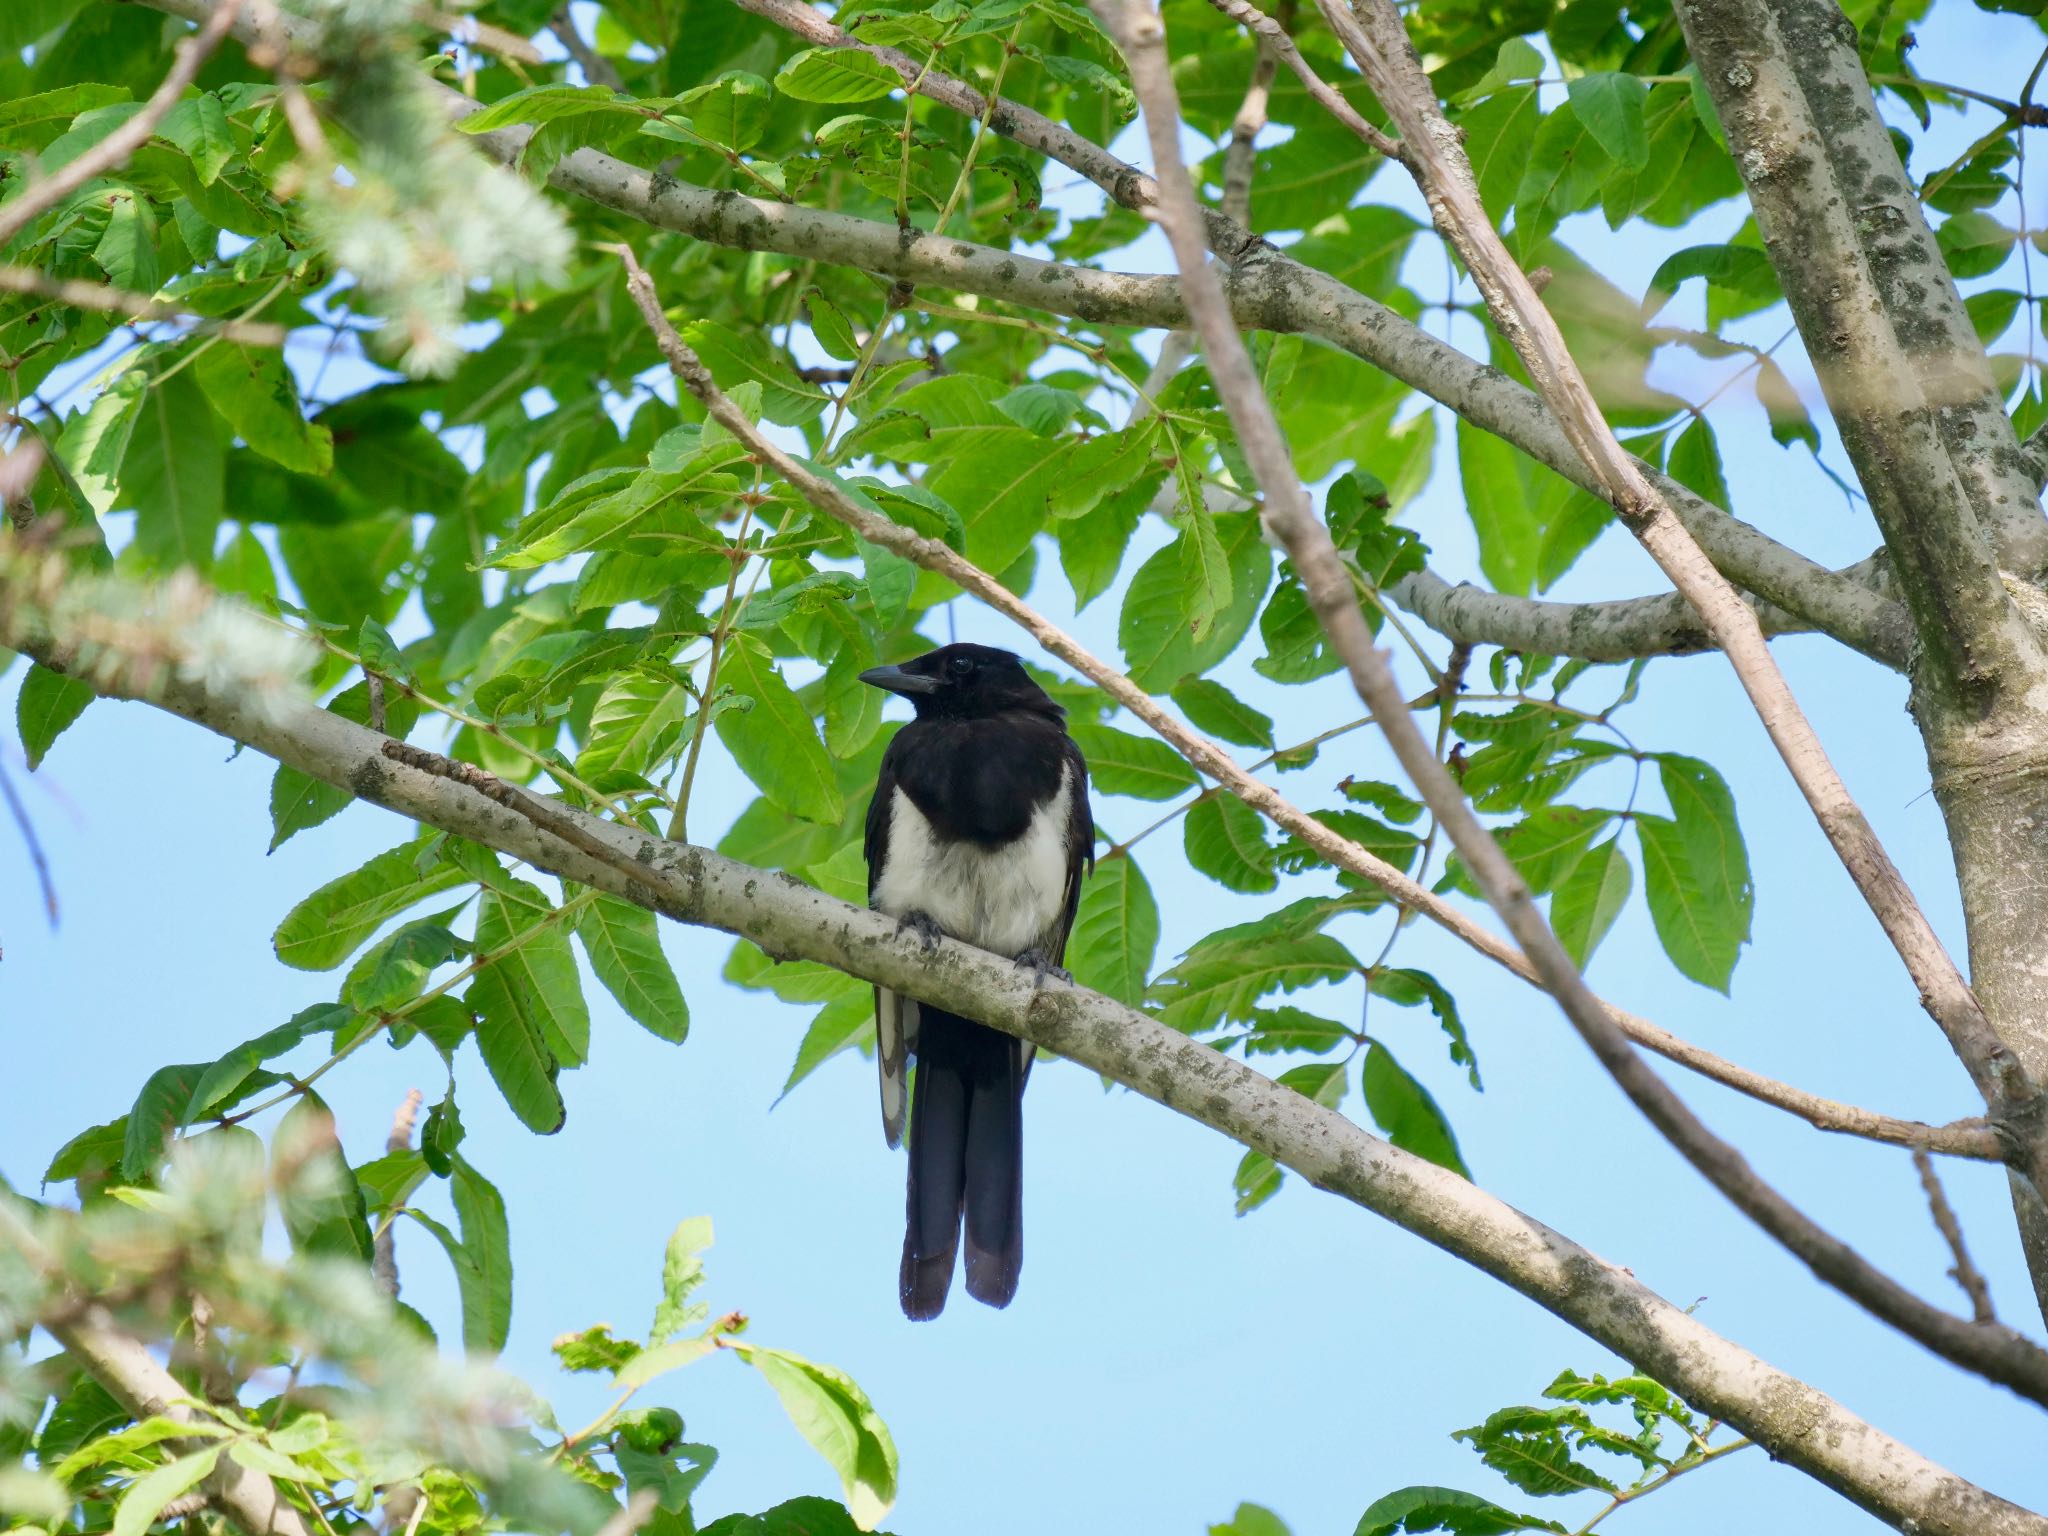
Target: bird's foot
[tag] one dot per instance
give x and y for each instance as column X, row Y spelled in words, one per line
column 1036, row 962
column 924, row 925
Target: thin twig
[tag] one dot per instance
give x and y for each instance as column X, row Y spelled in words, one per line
column 112, row 152
column 1992, row 1350
column 36, row 856
column 138, row 307
column 597, row 69
column 1963, row 1272
column 384, row 1246
column 1272, row 32
column 1373, row 33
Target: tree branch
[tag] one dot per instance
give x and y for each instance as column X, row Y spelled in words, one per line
column 1290, row 520
column 1373, row 33
column 597, row 69
column 112, row 152
column 1900, row 363
column 1272, row 34
column 132, row 1375
column 1619, row 630
column 1963, row 1271
column 1794, row 1421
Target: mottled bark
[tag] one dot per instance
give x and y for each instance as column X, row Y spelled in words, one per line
column 1954, row 494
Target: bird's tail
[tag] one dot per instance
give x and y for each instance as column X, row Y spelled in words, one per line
column 966, row 1157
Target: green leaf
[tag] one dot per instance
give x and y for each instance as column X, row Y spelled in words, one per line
column 319, row 1199
column 830, row 328
column 594, row 1349
column 157, row 1113
column 1696, row 872
column 742, row 357
column 776, row 742
column 550, row 103
column 1974, row 244
column 1586, row 901
column 221, row 1079
column 199, row 126
column 1116, row 931
column 394, row 971
column 1611, row 107
column 1205, row 574
column 324, row 929
column 637, row 721
column 1403, row 1108
column 173, row 474
column 1219, row 982
column 623, row 942
column 731, row 111
column 127, row 247
column 1120, row 763
column 1420, row 1509
column 298, row 800
column 486, row 1288
column 831, row 1412
column 1212, row 707
column 1251, row 1520
column 1696, row 463
column 515, row 1050
column 1409, row 988
column 1153, row 629
column 682, row 1271
column 45, row 708
column 830, row 76
column 1226, row 840
column 1741, row 272
column 529, row 968
column 147, row 1495
column 255, row 394
column 1257, row 1180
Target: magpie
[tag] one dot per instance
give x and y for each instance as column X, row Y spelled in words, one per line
column 979, row 830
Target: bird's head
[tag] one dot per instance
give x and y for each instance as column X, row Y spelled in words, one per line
column 964, row 682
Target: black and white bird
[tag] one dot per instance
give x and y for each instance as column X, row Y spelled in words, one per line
column 979, row 830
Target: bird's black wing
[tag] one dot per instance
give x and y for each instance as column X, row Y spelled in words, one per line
column 1080, row 843
column 895, row 1015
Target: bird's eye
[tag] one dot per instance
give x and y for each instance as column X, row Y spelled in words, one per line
column 961, row 665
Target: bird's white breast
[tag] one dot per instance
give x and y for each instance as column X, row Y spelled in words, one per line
column 1006, row 897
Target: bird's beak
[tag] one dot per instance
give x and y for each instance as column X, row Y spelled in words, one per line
column 896, row 680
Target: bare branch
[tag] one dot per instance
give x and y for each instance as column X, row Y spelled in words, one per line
column 384, row 1246
column 1240, row 156
column 25, row 824
column 112, row 152
column 138, row 307
column 1272, row 33
column 2000, row 1353
column 1963, row 1271
column 120, row 1363
column 1621, row 630
column 1373, row 33
column 597, row 69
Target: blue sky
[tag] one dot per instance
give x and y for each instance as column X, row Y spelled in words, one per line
column 1164, row 1359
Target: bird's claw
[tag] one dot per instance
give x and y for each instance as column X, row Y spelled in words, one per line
column 1036, row 962
column 924, row 925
